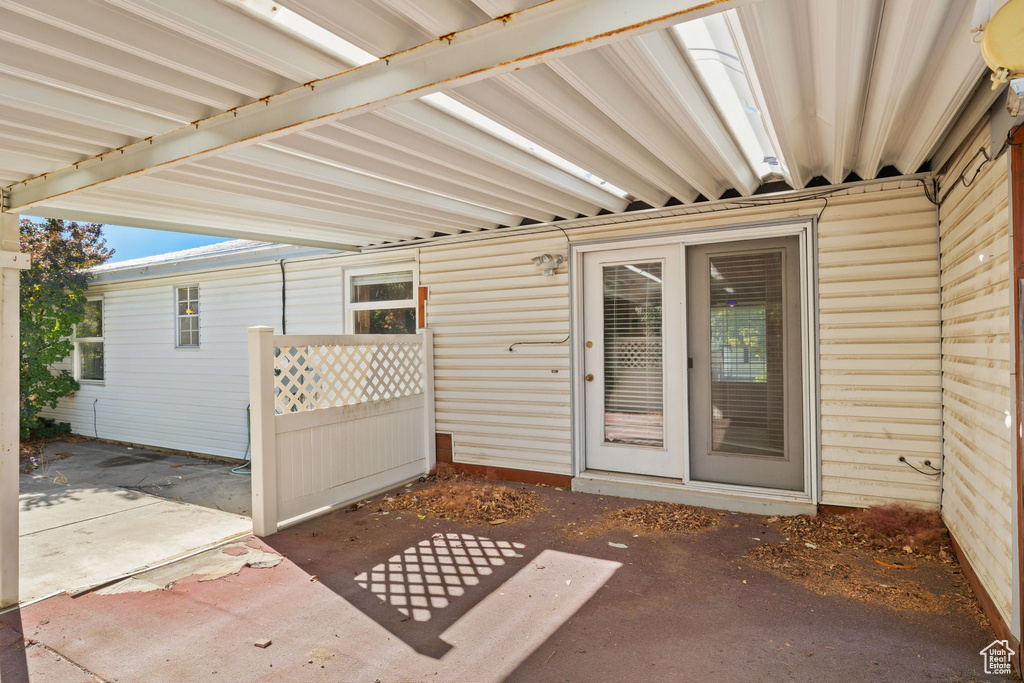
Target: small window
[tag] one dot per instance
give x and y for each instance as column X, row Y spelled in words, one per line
column 187, row 311
column 382, row 302
column 89, row 343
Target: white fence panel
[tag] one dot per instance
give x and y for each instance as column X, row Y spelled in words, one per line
column 336, row 418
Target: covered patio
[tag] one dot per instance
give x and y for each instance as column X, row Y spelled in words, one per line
column 533, row 165
column 545, row 604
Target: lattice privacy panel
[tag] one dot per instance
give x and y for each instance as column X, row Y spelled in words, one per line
column 314, row 377
column 637, row 352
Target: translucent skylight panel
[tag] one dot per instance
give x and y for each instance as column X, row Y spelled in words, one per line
column 712, row 49
column 474, row 118
column 351, row 54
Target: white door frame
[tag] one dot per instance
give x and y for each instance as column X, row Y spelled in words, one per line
column 806, row 229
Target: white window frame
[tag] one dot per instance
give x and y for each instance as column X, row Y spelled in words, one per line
column 76, row 356
column 351, row 308
column 178, row 317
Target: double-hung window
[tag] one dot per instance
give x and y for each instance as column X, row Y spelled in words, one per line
column 381, row 301
column 187, row 316
column 88, row 355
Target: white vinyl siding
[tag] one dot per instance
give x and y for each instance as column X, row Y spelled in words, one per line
column 504, row 409
column 156, row 395
column 977, row 498
column 878, row 277
column 880, row 394
column 879, row 379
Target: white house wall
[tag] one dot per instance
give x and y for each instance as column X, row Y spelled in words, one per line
column 879, row 340
column 195, row 399
column 977, row 499
column 879, row 328
column 504, row 409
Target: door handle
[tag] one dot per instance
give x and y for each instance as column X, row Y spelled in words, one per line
column 589, row 378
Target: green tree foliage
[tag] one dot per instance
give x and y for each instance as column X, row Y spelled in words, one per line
column 52, row 303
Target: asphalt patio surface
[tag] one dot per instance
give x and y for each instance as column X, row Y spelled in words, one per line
column 199, row 481
column 94, row 511
column 536, row 604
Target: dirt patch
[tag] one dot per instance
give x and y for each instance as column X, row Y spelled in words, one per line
column 652, row 518
column 894, row 555
column 450, row 496
column 31, row 451
column 320, row 655
column 45, row 466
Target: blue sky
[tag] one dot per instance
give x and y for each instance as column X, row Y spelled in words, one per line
column 133, row 243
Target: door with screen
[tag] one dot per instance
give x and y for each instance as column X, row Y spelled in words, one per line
column 633, row 360
column 745, row 384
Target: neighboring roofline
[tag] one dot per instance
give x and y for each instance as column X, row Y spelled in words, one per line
column 201, row 263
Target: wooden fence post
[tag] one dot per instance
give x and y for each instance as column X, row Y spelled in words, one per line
column 427, row 352
column 262, row 431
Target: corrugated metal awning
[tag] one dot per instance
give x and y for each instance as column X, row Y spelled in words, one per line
column 771, row 90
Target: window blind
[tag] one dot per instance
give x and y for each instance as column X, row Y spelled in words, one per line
column 379, row 287
column 633, row 354
column 747, row 374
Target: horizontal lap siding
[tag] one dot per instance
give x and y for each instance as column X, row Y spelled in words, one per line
column 880, row 351
column 194, row 399
column 878, row 295
column 504, row 409
column 977, row 498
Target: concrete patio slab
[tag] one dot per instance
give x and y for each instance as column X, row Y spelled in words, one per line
column 539, row 603
column 199, row 481
column 77, row 536
column 45, row 505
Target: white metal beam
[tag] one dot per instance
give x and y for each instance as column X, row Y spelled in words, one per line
column 10, row 427
column 554, row 29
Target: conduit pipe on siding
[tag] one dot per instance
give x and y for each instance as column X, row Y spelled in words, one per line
column 284, row 300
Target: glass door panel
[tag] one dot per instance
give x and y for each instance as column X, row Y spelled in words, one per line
column 747, row 381
column 633, row 368
column 745, row 344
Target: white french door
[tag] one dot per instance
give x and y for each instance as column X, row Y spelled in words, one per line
column 633, row 360
column 694, row 362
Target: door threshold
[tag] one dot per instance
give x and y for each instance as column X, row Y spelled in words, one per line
column 672, row 491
